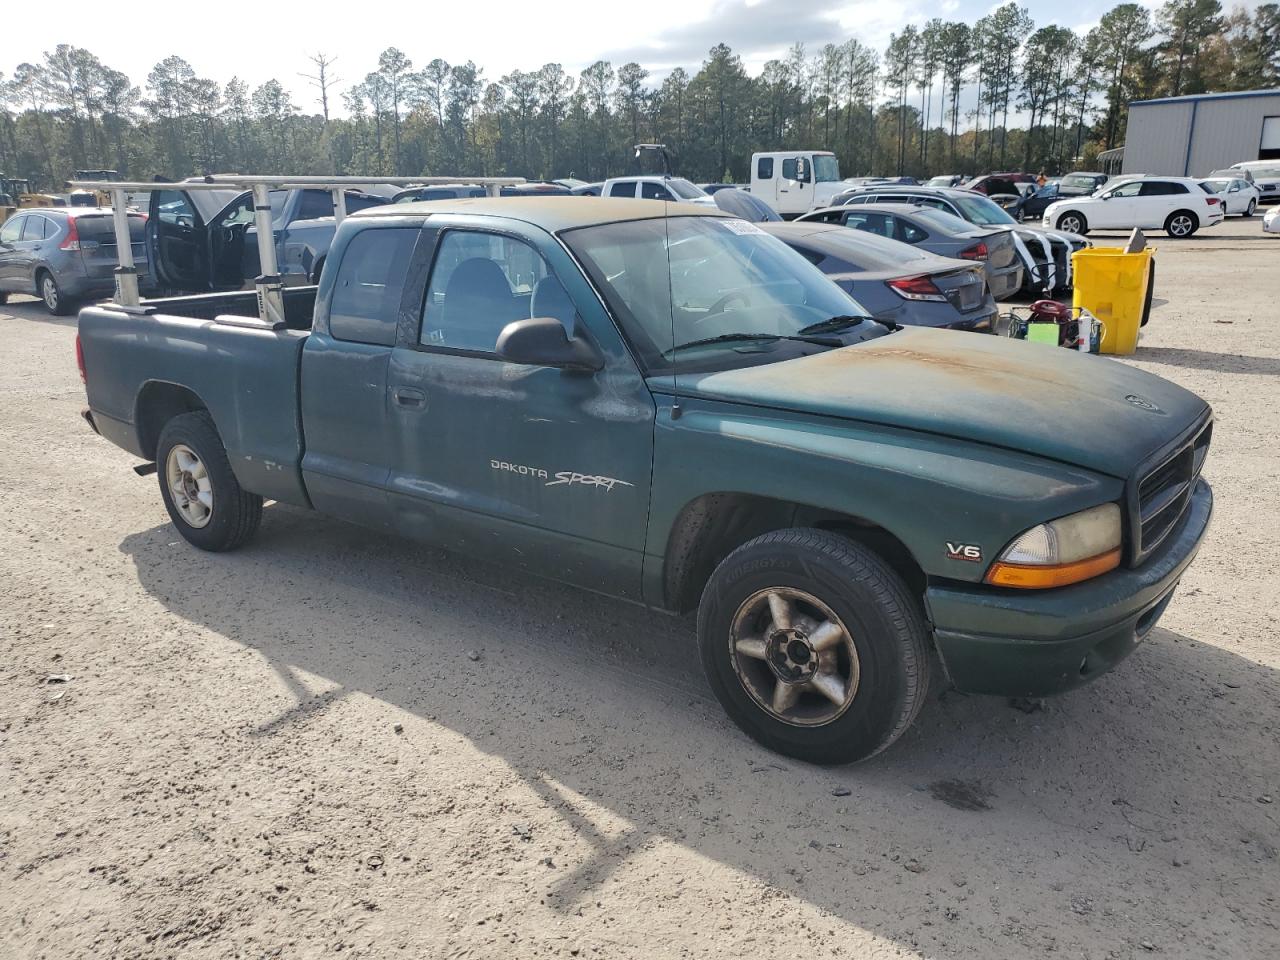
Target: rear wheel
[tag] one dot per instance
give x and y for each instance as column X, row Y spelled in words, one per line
column 1181, row 224
column 814, row 646
column 54, row 299
column 205, row 501
column 1073, row 222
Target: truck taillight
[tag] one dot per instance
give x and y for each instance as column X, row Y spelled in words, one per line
column 978, row 251
column 72, row 240
column 916, row 288
column 80, row 360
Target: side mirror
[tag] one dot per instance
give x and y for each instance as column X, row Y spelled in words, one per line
column 802, row 169
column 542, row 342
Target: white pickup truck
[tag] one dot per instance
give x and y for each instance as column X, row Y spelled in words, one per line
column 672, row 189
column 795, row 181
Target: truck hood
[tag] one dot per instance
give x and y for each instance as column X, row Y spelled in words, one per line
column 1084, row 410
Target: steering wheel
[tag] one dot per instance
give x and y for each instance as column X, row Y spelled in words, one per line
column 722, row 304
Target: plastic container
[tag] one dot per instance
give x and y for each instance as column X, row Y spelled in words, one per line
column 1116, row 288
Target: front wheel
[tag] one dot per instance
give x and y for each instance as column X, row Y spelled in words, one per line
column 205, row 501
column 1181, row 224
column 1249, row 210
column 1073, row 223
column 814, row 646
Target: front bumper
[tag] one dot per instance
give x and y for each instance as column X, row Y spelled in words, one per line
column 1033, row 643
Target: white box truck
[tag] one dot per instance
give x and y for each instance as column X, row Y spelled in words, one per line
column 795, row 181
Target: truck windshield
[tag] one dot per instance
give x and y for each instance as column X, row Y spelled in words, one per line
column 978, row 209
column 684, row 189
column 825, row 168
column 676, row 284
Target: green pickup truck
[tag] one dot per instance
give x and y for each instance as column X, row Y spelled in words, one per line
column 664, row 404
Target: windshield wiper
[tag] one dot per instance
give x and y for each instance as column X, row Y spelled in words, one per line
column 745, row 337
column 832, row 324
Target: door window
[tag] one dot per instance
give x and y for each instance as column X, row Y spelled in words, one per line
column 623, row 190
column 481, row 282
column 1129, row 189
column 907, row 232
column 654, row 191
column 1161, row 188
column 37, row 228
column 359, row 201
column 764, row 168
column 877, row 223
column 366, row 296
column 12, row 230
column 175, row 208
column 317, row 203
column 790, row 169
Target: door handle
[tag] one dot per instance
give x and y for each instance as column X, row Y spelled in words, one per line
column 409, row 397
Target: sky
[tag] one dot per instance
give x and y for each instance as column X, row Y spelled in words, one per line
column 498, row 35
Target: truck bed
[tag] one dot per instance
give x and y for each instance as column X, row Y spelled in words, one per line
column 209, row 351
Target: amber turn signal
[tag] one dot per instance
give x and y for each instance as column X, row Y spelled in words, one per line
column 1029, row 577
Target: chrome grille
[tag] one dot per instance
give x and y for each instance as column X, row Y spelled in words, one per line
column 1165, row 491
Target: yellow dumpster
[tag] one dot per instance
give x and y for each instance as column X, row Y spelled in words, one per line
column 1116, row 288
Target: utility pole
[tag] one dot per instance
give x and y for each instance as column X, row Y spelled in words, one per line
column 321, row 80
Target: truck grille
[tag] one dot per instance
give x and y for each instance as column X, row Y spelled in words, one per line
column 1165, row 491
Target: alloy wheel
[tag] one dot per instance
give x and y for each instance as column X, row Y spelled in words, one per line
column 189, row 485
column 49, row 292
column 1180, row 226
column 794, row 656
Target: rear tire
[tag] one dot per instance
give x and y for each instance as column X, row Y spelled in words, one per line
column 834, row 619
column 1073, row 222
column 54, row 300
column 1181, row 224
column 205, row 501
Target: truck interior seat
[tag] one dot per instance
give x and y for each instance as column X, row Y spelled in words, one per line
column 551, row 300
column 477, row 288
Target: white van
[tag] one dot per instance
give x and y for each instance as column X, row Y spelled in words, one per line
column 795, row 181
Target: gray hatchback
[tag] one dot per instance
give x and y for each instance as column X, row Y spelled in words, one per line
column 65, row 255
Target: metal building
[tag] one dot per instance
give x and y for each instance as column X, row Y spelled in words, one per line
column 1193, row 136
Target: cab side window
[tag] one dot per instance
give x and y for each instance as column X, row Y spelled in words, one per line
column 654, row 191
column 316, row 203
column 623, row 190
column 479, row 283
column 764, row 168
column 365, row 304
column 789, row 168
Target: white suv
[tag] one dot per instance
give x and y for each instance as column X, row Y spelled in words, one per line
column 1177, row 205
column 673, row 189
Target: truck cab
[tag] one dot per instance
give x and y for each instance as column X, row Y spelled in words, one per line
column 795, row 181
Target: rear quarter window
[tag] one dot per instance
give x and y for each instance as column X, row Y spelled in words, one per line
column 365, row 304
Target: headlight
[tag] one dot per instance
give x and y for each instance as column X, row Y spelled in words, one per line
column 1061, row 551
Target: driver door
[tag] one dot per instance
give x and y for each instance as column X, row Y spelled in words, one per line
column 176, row 238
column 1119, row 207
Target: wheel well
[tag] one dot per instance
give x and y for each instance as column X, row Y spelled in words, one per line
column 711, row 527
column 158, row 403
column 316, row 269
column 40, row 272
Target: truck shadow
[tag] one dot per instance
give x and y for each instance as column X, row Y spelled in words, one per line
column 1208, row 360
column 983, row 821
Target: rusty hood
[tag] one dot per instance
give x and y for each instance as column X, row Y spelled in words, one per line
column 1085, row 410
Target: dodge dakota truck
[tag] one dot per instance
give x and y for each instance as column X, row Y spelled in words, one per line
column 660, row 402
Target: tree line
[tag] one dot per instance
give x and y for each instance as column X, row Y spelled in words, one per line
column 937, row 99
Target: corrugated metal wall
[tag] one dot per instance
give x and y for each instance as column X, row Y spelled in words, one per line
column 1226, row 131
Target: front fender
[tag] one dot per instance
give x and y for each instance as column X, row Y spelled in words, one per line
column 927, row 490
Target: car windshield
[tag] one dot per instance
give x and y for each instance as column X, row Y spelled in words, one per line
column 1268, row 171
column 677, row 284
column 1076, row 181
column 825, row 169
column 978, row 209
column 684, row 189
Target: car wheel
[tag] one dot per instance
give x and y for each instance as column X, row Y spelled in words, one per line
column 205, row 501
column 814, row 646
column 1249, row 210
column 54, row 300
column 1073, row 222
column 1181, row 224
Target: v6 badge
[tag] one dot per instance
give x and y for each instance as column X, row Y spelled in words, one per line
column 964, row 551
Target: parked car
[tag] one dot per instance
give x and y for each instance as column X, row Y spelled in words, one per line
column 1081, row 183
column 587, row 190
column 661, row 403
column 65, row 255
column 534, row 188
column 447, row 191
column 1045, row 254
column 795, row 181
column 1031, row 206
column 739, row 203
column 202, row 240
column 895, row 282
column 1271, row 222
column 945, row 180
column 1238, row 195
column 672, row 189
column 570, row 183
column 1266, row 177
column 999, row 184
column 939, row 233
column 1177, row 205
column 711, row 189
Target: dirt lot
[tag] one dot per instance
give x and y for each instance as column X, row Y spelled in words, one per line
column 289, row 751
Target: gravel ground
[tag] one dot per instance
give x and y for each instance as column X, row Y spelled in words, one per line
column 330, row 743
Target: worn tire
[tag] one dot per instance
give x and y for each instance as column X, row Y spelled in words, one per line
column 1173, row 224
column 883, row 619
column 51, row 294
column 236, row 514
column 1068, row 217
